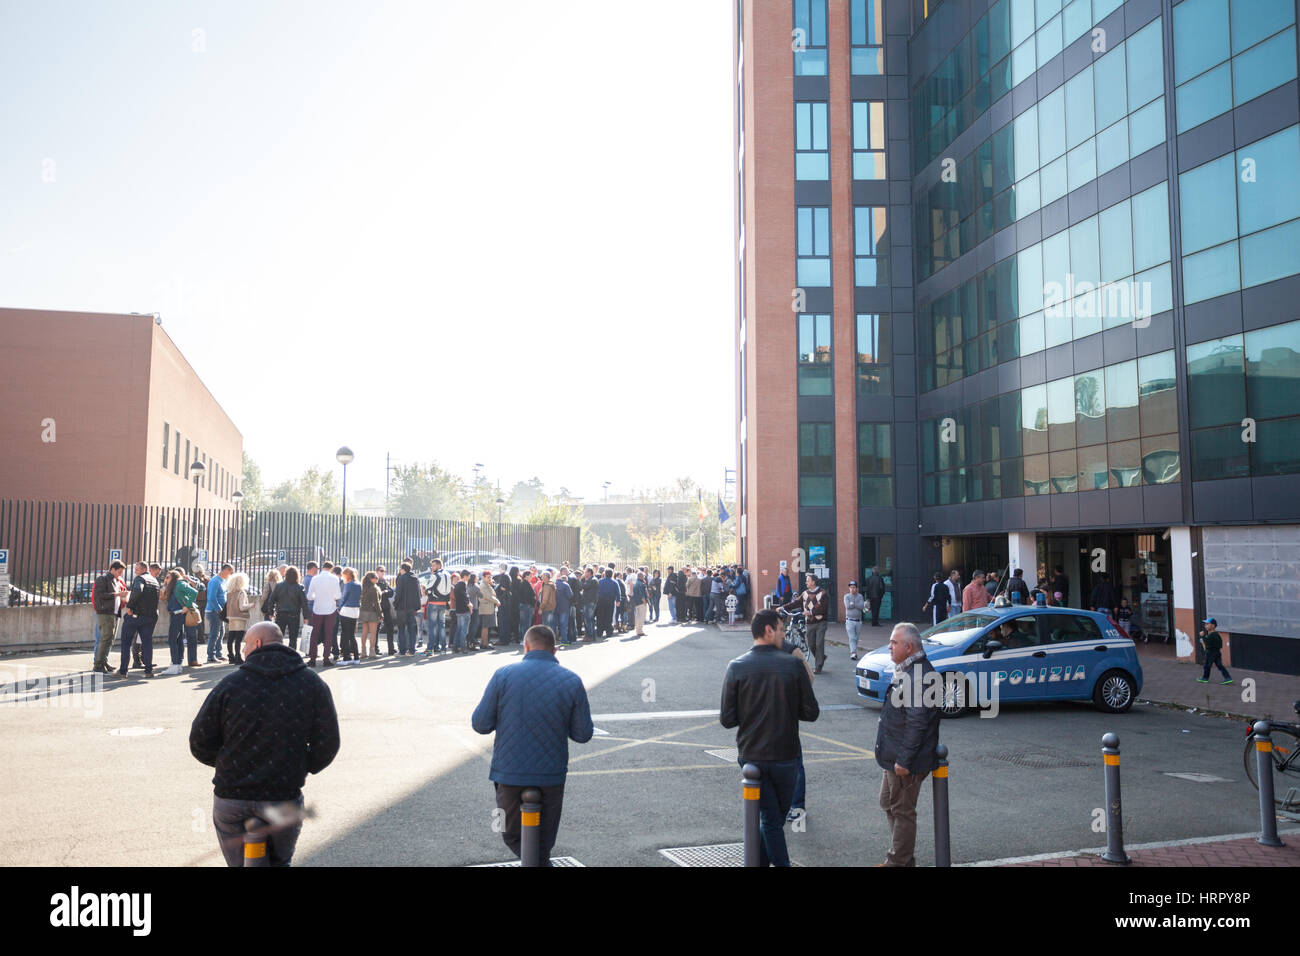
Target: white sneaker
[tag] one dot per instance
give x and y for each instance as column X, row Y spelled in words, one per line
column 853, row 657
column 173, row 670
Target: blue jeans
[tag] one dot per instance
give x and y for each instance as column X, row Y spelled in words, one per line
column 672, row 607
column 548, row 619
column 437, row 620
column 406, row 630
column 800, row 788
column 131, row 627
column 774, row 802
column 525, row 620
column 178, row 636
column 561, row 626
column 215, row 630
column 462, row 629
column 589, row 621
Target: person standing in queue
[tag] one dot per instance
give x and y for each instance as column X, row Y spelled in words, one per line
column 536, row 707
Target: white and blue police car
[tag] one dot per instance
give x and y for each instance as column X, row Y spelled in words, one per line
column 1019, row 653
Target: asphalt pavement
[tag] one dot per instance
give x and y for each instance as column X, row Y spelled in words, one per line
column 108, row 778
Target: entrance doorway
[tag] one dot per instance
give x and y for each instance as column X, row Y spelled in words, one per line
column 1139, row 564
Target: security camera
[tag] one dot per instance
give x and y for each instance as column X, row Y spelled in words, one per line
column 157, row 319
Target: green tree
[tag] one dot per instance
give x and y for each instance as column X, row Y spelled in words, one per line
column 427, row 491
column 251, row 485
column 314, row 492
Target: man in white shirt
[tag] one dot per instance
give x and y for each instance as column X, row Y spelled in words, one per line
column 323, row 594
column 954, row 593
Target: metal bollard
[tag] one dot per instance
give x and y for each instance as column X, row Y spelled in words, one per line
column 751, row 789
column 530, row 828
column 255, row 844
column 1264, row 773
column 1114, row 812
column 942, row 840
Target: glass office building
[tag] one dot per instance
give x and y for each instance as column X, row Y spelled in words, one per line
column 1019, row 284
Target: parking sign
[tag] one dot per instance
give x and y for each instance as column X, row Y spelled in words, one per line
column 114, row 554
column 282, row 557
column 4, row 570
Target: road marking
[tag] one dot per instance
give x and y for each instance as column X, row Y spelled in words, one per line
column 675, row 714
column 828, row 740
column 1096, row 851
column 701, row 766
column 638, row 743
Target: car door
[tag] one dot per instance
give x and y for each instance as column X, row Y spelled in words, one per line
column 1018, row 668
column 1074, row 644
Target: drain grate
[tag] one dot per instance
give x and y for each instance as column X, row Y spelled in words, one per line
column 555, row 861
column 1038, row 760
column 728, row 754
column 716, row 854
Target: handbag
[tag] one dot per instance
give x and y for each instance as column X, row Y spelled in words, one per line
column 352, row 612
column 192, row 616
column 304, row 639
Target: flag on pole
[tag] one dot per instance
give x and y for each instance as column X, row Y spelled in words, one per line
column 722, row 512
column 700, row 495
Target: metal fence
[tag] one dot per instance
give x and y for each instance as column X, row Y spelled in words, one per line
column 56, row 549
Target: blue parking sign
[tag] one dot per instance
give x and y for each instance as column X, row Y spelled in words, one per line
column 114, row 554
column 282, row 557
column 4, row 557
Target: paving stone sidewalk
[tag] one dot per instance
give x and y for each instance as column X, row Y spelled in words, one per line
column 1238, row 852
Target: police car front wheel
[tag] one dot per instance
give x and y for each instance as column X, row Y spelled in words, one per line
column 1114, row 692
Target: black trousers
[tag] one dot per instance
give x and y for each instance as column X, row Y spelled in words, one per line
column 604, row 617
column 509, row 799
column 875, row 613
column 348, row 637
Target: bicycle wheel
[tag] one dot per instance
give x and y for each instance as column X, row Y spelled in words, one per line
column 1286, row 767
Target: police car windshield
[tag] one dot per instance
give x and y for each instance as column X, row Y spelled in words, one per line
column 955, row 630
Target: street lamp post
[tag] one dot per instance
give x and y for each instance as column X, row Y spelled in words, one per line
column 473, row 504
column 500, row 502
column 344, row 457
column 197, row 471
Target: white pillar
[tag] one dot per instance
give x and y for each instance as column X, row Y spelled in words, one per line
column 1022, row 552
column 1183, row 612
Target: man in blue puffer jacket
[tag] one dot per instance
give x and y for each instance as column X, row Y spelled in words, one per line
column 536, row 707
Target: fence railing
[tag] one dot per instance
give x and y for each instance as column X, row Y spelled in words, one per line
column 55, row 549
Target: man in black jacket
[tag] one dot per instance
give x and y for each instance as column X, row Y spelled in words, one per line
column 264, row 728
column 906, row 739
column 874, row 592
column 139, row 618
column 765, row 694
column 406, row 601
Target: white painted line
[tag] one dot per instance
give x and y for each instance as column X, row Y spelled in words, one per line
column 676, row 714
column 1098, row 851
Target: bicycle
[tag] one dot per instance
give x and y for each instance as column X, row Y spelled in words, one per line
column 1286, row 761
column 796, row 631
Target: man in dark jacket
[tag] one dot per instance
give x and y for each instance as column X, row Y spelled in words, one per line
column 406, row 601
column 765, row 694
column 906, row 739
column 536, row 707
column 1018, row 587
column 386, row 608
column 874, row 591
column 264, row 728
column 107, row 590
column 139, row 618
column 1103, row 595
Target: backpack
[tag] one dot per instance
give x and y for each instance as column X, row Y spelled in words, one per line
column 435, row 583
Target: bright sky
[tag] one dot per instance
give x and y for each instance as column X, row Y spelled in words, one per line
column 447, row 217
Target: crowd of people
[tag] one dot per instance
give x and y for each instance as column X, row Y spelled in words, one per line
column 443, row 611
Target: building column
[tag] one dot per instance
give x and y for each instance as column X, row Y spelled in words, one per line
column 1184, row 609
column 1022, row 552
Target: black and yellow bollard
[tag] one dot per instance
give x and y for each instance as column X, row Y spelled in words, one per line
column 530, row 828
column 255, row 844
column 942, row 839
column 1114, row 812
column 751, row 790
column 1264, row 774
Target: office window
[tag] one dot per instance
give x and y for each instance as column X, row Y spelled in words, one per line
column 1216, row 382
column 816, row 464
column 814, row 355
column 1151, row 227
column 811, row 151
column 1272, row 197
column 1273, row 371
column 188, row 460
column 873, row 354
column 1253, row 20
column 166, row 434
column 1157, row 395
column 1121, row 401
column 867, row 37
column 1200, row 37
column 868, row 140
column 809, row 41
column 176, row 466
column 1276, row 450
column 1219, row 453
column 875, row 466
column 1208, row 204
column 871, row 264
column 813, row 228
